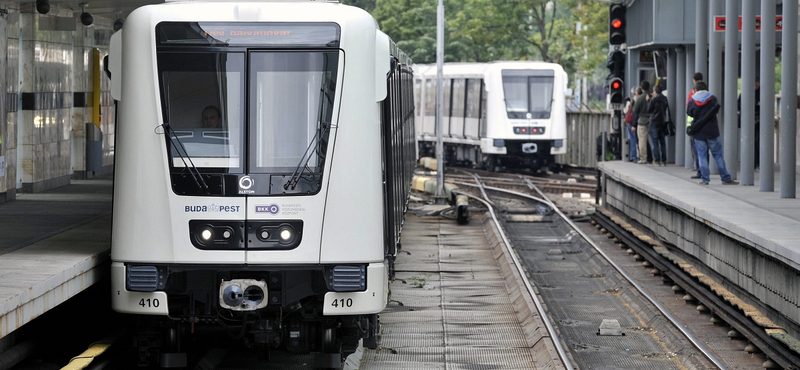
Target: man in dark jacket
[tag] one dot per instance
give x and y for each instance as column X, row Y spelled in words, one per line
column 657, row 107
column 703, row 108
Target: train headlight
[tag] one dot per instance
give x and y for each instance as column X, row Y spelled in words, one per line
column 206, row 234
column 286, row 234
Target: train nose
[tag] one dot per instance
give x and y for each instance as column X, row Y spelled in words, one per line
column 243, row 294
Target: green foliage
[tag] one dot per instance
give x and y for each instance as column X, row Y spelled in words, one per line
column 488, row 30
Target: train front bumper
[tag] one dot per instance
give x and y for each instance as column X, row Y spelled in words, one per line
column 372, row 300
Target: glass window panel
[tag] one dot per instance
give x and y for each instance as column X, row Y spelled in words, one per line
column 528, row 93
column 459, row 89
column 202, row 96
column 292, row 99
column 473, row 97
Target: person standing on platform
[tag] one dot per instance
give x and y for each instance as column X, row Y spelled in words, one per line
column 703, row 108
column 643, row 120
column 630, row 123
column 697, row 77
column 657, row 107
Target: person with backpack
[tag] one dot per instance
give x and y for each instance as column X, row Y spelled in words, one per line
column 703, row 108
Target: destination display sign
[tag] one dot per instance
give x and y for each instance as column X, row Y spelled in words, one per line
column 249, row 34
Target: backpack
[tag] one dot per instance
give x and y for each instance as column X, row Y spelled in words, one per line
column 629, row 115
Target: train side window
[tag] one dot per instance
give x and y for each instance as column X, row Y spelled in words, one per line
column 446, row 101
column 430, row 97
column 474, row 98
column 459, row 89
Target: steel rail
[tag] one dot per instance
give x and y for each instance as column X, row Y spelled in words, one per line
column 508, row 249
column 672, row 319
column 771, row 347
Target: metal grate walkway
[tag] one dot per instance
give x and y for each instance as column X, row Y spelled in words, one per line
column 449, row 308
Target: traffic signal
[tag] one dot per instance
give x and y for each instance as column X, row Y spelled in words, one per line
column 616, row 91
column 616, row 24
column 616, row 64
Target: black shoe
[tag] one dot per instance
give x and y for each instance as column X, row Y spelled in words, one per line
column 730, row 182
column 705, row 183
column 696, row 176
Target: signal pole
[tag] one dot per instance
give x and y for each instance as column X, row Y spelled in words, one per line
column 439, row 196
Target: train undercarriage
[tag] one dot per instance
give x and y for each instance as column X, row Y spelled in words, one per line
column 265, row 312
column 519, row 156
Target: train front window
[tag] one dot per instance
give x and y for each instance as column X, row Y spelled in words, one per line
column 202, row 100
column 291, row 94
column 528, row 93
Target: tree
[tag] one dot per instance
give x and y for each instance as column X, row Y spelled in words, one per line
column 569, row 32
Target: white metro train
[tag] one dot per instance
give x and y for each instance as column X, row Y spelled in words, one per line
column 264, row 153
column 495, row 115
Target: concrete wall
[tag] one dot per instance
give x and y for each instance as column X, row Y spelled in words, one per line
column 744, row 268
column 48, row 97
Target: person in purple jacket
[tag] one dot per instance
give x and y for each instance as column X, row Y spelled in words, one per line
column 703, row 108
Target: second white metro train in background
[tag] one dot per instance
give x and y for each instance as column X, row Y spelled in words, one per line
column 500, row 114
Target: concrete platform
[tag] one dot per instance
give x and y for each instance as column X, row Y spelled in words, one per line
column 54, row 245
column 749, row 237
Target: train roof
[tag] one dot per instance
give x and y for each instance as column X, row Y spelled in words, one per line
column 477, row 70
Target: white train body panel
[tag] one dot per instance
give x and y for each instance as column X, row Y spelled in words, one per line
column 283, row 183
column 497, row 116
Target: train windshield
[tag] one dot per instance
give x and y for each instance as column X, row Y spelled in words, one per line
column 291, row 108
column 528, row 93
column 202, row 101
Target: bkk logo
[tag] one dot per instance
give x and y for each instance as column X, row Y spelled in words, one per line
column 272, row 208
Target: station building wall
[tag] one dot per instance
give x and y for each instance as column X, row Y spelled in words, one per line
column 47, row 109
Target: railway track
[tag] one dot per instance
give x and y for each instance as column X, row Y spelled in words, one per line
column 508, row 193
column 744, row 320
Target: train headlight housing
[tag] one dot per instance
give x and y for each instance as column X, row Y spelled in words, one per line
column 217, row 235
column 276, row 234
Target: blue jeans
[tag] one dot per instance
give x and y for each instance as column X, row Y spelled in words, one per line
column 658, row 144
column 715, row 146
column 634, row 143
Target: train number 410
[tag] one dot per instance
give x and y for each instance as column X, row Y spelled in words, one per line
column 343, row 303
column 149, row 302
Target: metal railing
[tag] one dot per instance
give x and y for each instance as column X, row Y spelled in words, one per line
column 584, row 126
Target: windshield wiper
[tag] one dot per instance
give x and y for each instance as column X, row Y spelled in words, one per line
column 313, row 148
column 197, row 177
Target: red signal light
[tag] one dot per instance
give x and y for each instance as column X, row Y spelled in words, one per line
column 616, row 24
column 616, row 85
